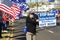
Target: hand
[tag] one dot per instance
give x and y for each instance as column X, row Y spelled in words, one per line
column 37, row 20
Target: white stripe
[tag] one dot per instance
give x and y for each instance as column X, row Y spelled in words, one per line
column 16, row 10
column 50, row 31
column 5, row 11
column 2, row 7
column 8, row 10
column 5, row 8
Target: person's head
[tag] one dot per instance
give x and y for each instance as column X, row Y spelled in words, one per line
column 30, row 15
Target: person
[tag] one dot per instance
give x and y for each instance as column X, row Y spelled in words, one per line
column 1, row 24
column 31, row 22
column 1, row 28
column 5, row 22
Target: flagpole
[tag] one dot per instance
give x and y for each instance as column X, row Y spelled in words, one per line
column 30, row 1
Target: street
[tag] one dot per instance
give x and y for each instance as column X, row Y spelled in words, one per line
column 47, row 11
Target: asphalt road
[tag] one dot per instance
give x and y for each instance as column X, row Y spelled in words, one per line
column 52, row 33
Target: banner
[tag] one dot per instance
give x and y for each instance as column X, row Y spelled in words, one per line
column 47, row 19
column 22, row 1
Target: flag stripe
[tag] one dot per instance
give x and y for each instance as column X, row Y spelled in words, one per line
column 12, row 11
column 6, row 12
column 16, row 10
column 6, row 9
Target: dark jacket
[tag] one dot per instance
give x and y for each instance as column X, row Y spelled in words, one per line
column 31, row 24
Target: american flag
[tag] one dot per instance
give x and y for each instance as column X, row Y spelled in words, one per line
column 15, row 9
column 12, row 11
column 6, row 9
column 23, row 6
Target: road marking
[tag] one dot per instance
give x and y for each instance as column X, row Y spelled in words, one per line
column 50, row 31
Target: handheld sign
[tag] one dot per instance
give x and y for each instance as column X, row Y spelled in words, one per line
column 47, row 19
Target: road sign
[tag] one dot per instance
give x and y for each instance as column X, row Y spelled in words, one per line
column 47, row 19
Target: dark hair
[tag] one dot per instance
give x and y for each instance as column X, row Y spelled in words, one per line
column 30, row 13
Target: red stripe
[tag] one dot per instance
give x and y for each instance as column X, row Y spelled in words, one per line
column 15, row 9
column 7, row 12
column 6, row 9
column 5, row 6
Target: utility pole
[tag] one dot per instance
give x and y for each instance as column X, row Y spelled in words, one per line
column 30, row 3
column 37, row 4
